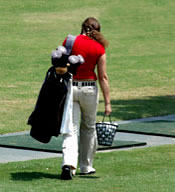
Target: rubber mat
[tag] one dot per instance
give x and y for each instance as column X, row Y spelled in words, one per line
column 157, row 128
column 27, row 142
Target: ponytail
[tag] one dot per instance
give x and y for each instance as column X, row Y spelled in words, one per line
column 96, row 35
column 91, row 27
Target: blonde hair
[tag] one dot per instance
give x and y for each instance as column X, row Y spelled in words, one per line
column 91, row 27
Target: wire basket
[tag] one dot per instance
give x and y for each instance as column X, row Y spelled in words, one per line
column 106, row 132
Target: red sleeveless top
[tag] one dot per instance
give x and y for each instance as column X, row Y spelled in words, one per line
column 91, row 51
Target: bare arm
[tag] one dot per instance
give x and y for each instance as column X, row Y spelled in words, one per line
column 104, row 84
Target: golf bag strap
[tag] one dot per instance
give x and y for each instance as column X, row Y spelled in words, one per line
column 69, row 43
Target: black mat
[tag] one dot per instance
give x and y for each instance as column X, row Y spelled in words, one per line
column 157, row 128
column 28, row 143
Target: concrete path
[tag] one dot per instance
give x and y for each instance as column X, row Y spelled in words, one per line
column 150, row 140
column 10, row 155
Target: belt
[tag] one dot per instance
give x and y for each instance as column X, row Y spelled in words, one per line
column 84, row 83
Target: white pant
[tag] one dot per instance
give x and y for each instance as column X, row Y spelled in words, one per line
column 85, row 100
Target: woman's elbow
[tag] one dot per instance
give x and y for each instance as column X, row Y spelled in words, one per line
column 103, row 78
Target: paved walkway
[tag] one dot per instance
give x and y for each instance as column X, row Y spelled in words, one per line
column 10, row 155
column 150, row 140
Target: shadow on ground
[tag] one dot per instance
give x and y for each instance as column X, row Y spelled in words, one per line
column 150, row 106
column 29, row 176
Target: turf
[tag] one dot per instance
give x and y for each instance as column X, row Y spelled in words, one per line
column 140, row 56
column 159, row 128
column 138, row 170
column 55, row 145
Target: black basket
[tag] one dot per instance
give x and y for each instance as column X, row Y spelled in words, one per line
column 106, row 132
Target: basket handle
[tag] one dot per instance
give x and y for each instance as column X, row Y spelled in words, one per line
column 108, row 116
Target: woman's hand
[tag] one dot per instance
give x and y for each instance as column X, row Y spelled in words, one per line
column 108, row 109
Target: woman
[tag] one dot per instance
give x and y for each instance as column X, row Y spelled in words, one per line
column 91, row 45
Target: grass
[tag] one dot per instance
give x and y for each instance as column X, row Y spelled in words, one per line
column 140, row 57
column 146, row 170
column 141, row 71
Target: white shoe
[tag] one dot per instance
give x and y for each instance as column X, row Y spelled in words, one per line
column 89, row 172
column 73, row 172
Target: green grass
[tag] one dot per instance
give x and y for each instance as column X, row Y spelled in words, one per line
column 140, row 57
column 138, row 170
column 141, row 71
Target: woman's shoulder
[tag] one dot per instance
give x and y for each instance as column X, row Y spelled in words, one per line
column 90, row 41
